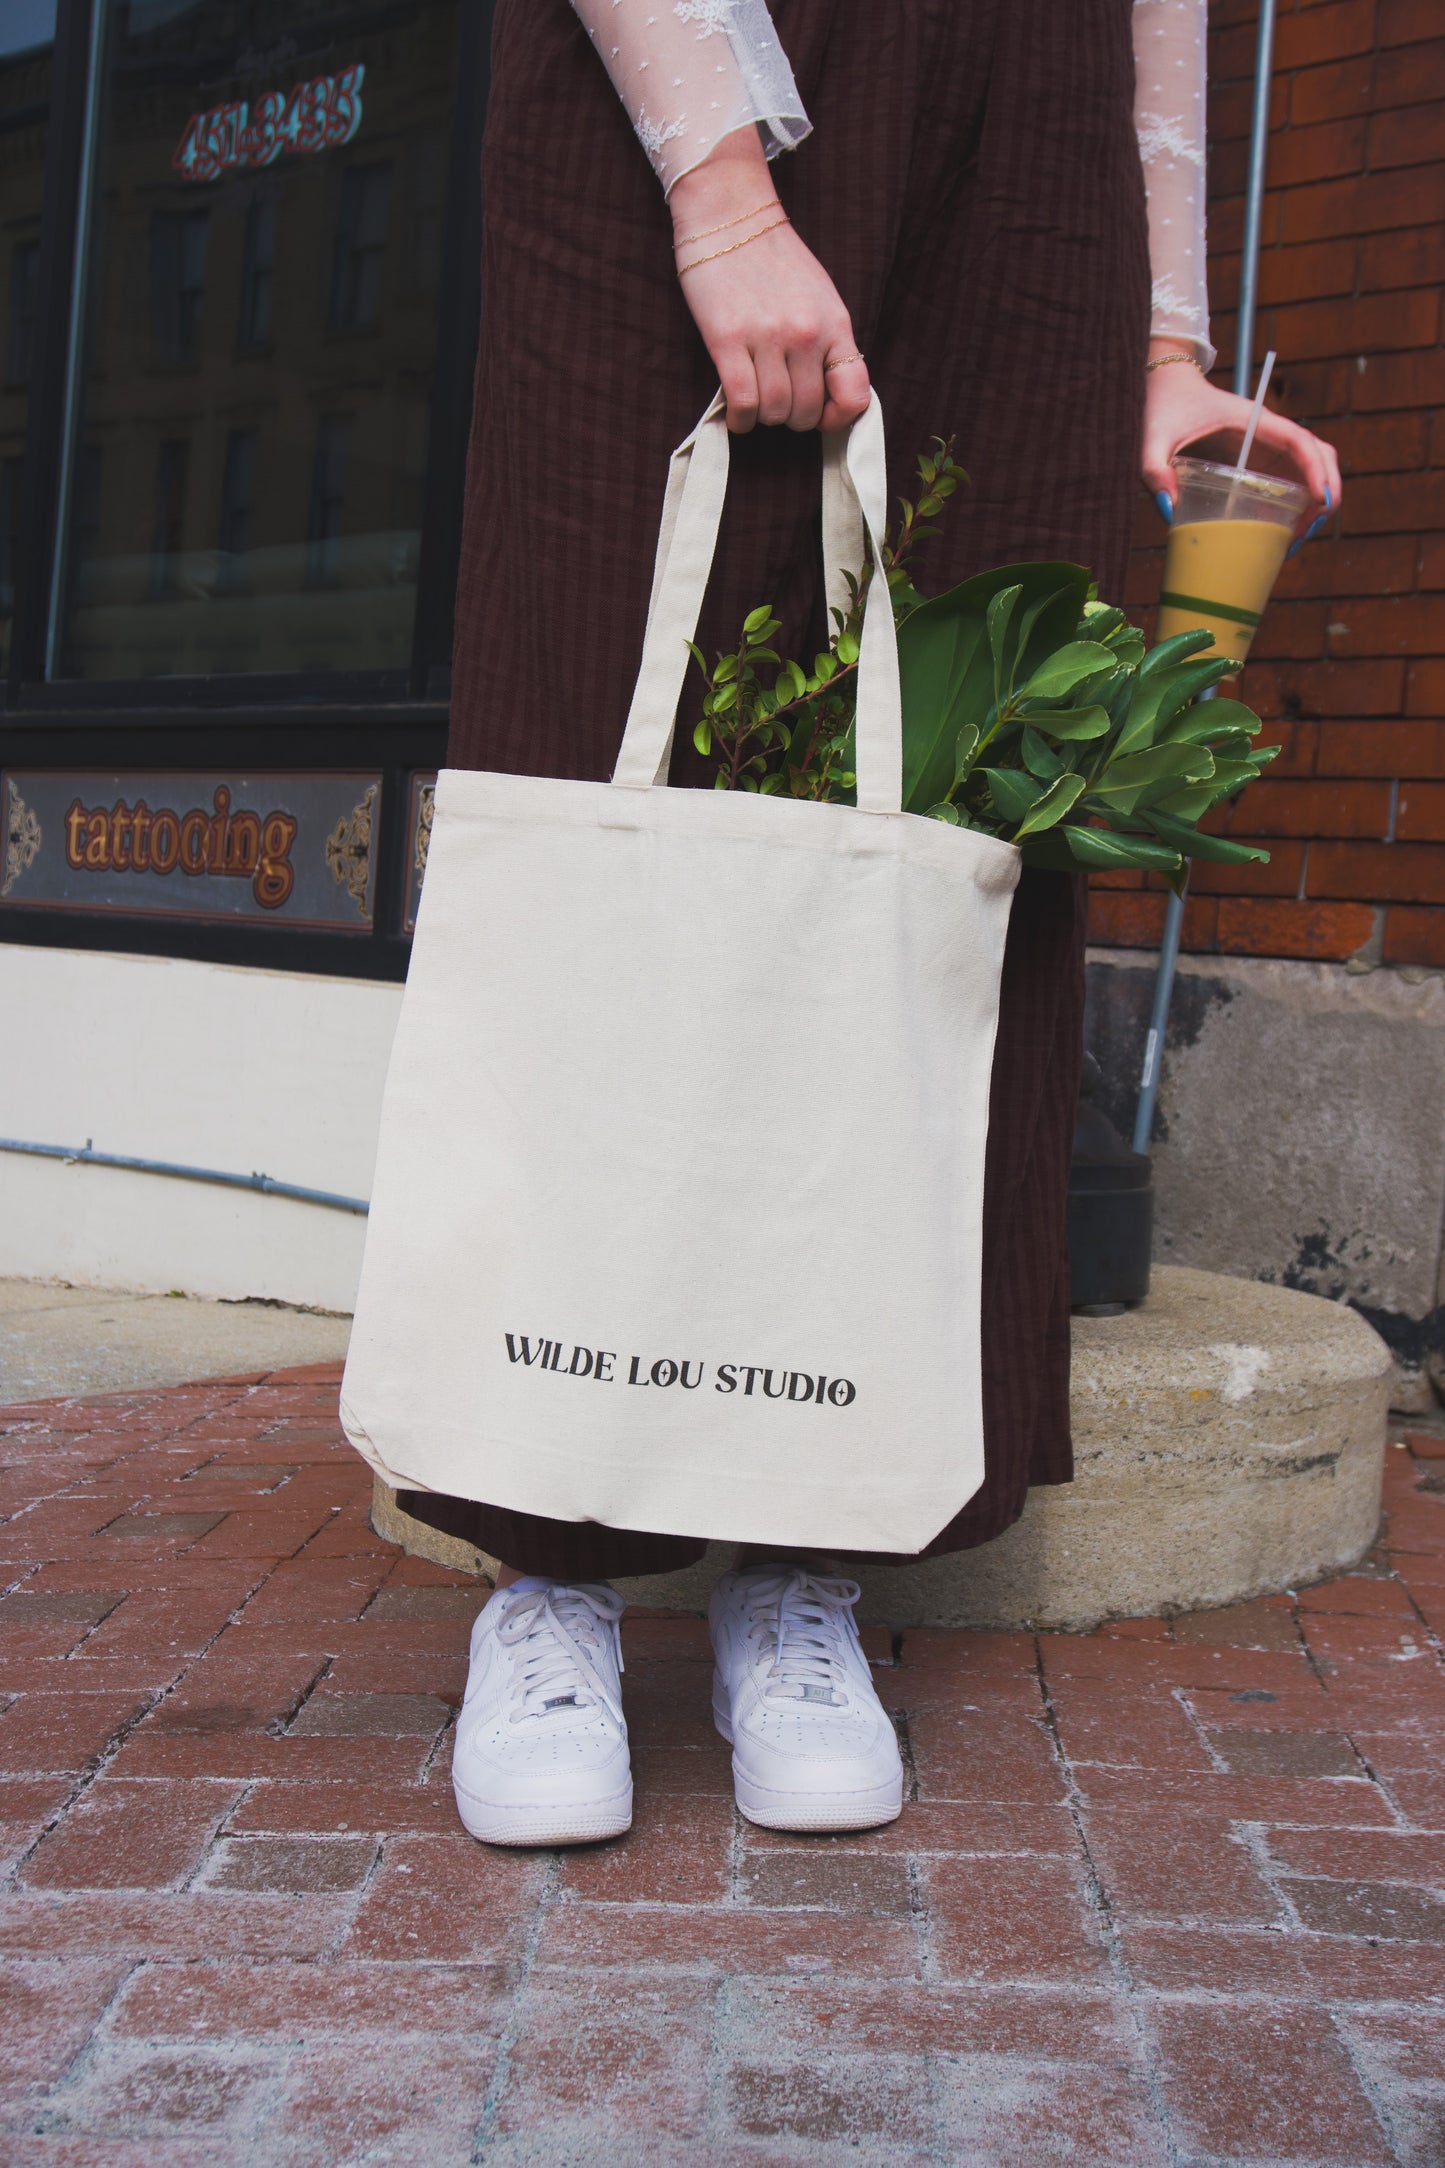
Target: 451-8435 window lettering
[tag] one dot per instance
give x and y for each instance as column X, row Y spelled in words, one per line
column 319, row 115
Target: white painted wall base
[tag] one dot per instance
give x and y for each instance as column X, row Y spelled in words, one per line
column 207, row 1064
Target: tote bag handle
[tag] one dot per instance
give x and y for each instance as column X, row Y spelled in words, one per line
column 855, row 489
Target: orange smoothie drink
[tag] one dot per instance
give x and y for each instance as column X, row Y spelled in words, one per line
column 1226, row 545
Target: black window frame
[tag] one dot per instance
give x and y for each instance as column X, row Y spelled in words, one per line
column 394, row 721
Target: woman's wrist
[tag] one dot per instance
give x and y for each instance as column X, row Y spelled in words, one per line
column 734, row 180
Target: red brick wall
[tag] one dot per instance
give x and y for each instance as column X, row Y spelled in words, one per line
column 1348, row 668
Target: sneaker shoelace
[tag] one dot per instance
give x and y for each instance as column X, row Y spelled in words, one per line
column 564, row 1633
column 807, row 1618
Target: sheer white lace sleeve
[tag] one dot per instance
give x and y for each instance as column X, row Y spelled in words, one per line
column 692, row 71
column 1170, row 66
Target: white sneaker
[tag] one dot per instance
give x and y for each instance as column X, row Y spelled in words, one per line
column 541, row 1746
column 793, row 1696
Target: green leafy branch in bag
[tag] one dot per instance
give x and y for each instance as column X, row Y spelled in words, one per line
column 1086, row 752
column 790, row 735
column 1031, row 711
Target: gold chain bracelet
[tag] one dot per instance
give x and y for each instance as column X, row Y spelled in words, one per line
column 707, row 233
column 1162, row 361
column 732, row 251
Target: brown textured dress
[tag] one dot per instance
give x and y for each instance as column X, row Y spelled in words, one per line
column 973, row 186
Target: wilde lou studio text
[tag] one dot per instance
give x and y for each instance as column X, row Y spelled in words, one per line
column 597, row 1363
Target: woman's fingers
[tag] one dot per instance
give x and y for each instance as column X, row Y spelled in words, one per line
column 847, row 389
column 1184, row 412
column 770, row 317
column 1312, row 460
column 809, row 386
column 739, row 383
column 775, row 386
column 1155, row 457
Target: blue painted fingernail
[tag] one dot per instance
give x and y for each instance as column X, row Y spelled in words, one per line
column 1329, row 499
column 1166, row 509
column 1309, row 534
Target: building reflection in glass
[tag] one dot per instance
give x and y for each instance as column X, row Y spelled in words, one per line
column 249, row 469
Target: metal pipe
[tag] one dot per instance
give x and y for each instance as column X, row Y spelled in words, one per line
column 72, row 1155
column 1158, row 1023
column 1254, row 200
column 80, row 281
column 1243, row 375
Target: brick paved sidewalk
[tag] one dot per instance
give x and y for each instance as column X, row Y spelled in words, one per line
column 1164, row 1895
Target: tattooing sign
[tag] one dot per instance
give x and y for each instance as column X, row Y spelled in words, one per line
column 272, row 849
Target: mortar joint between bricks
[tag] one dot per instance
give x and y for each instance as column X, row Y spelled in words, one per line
column 1097, row 1900
column 486, row 2123
column 918, row 1912
column 906, row 1755
column 1402, row 1820
column 85, row 2053
column 433, row 1752
column 345, row 1926
column 737, row 1854
column 1398, row 2140
column 1253, row 1842
column 1180, row 1694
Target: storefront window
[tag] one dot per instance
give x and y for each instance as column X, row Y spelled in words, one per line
column 27, row 35
column 250, row 437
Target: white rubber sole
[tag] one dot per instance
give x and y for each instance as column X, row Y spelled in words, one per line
column 587, row 1821
column 805, row 1811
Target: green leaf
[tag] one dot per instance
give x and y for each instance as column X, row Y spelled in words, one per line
column 1032, row 613
column 1156, row 763
column 1206, row 718
column 702, row 737
column 1038, row 757
column 1190, row 804
column 965, row 746
column 1054, row 804
column 1102, row 847
column 1232, row 775
column 1223, row 744
column 943, row 811
column 1160, row 695
column 1072, row 666
column 726, row 671
column 1013, row 794
column 756, row 619
column 1069, row 724
column 946, row 664
column 1000, row 611
column 1175, row 650
column 847, row 648
column 1219, row 850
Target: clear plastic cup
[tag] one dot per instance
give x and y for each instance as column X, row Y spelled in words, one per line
column 1226, row 546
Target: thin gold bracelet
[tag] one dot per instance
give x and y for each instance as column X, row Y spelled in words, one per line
column 1162, row 361
column 707, row 233
column 735, row 246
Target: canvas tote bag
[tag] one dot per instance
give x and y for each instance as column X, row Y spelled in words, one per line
column 676, row 1222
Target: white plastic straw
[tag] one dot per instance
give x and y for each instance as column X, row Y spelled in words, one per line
column 1261, row 388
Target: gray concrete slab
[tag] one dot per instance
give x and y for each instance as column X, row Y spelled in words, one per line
column 57, row 1340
